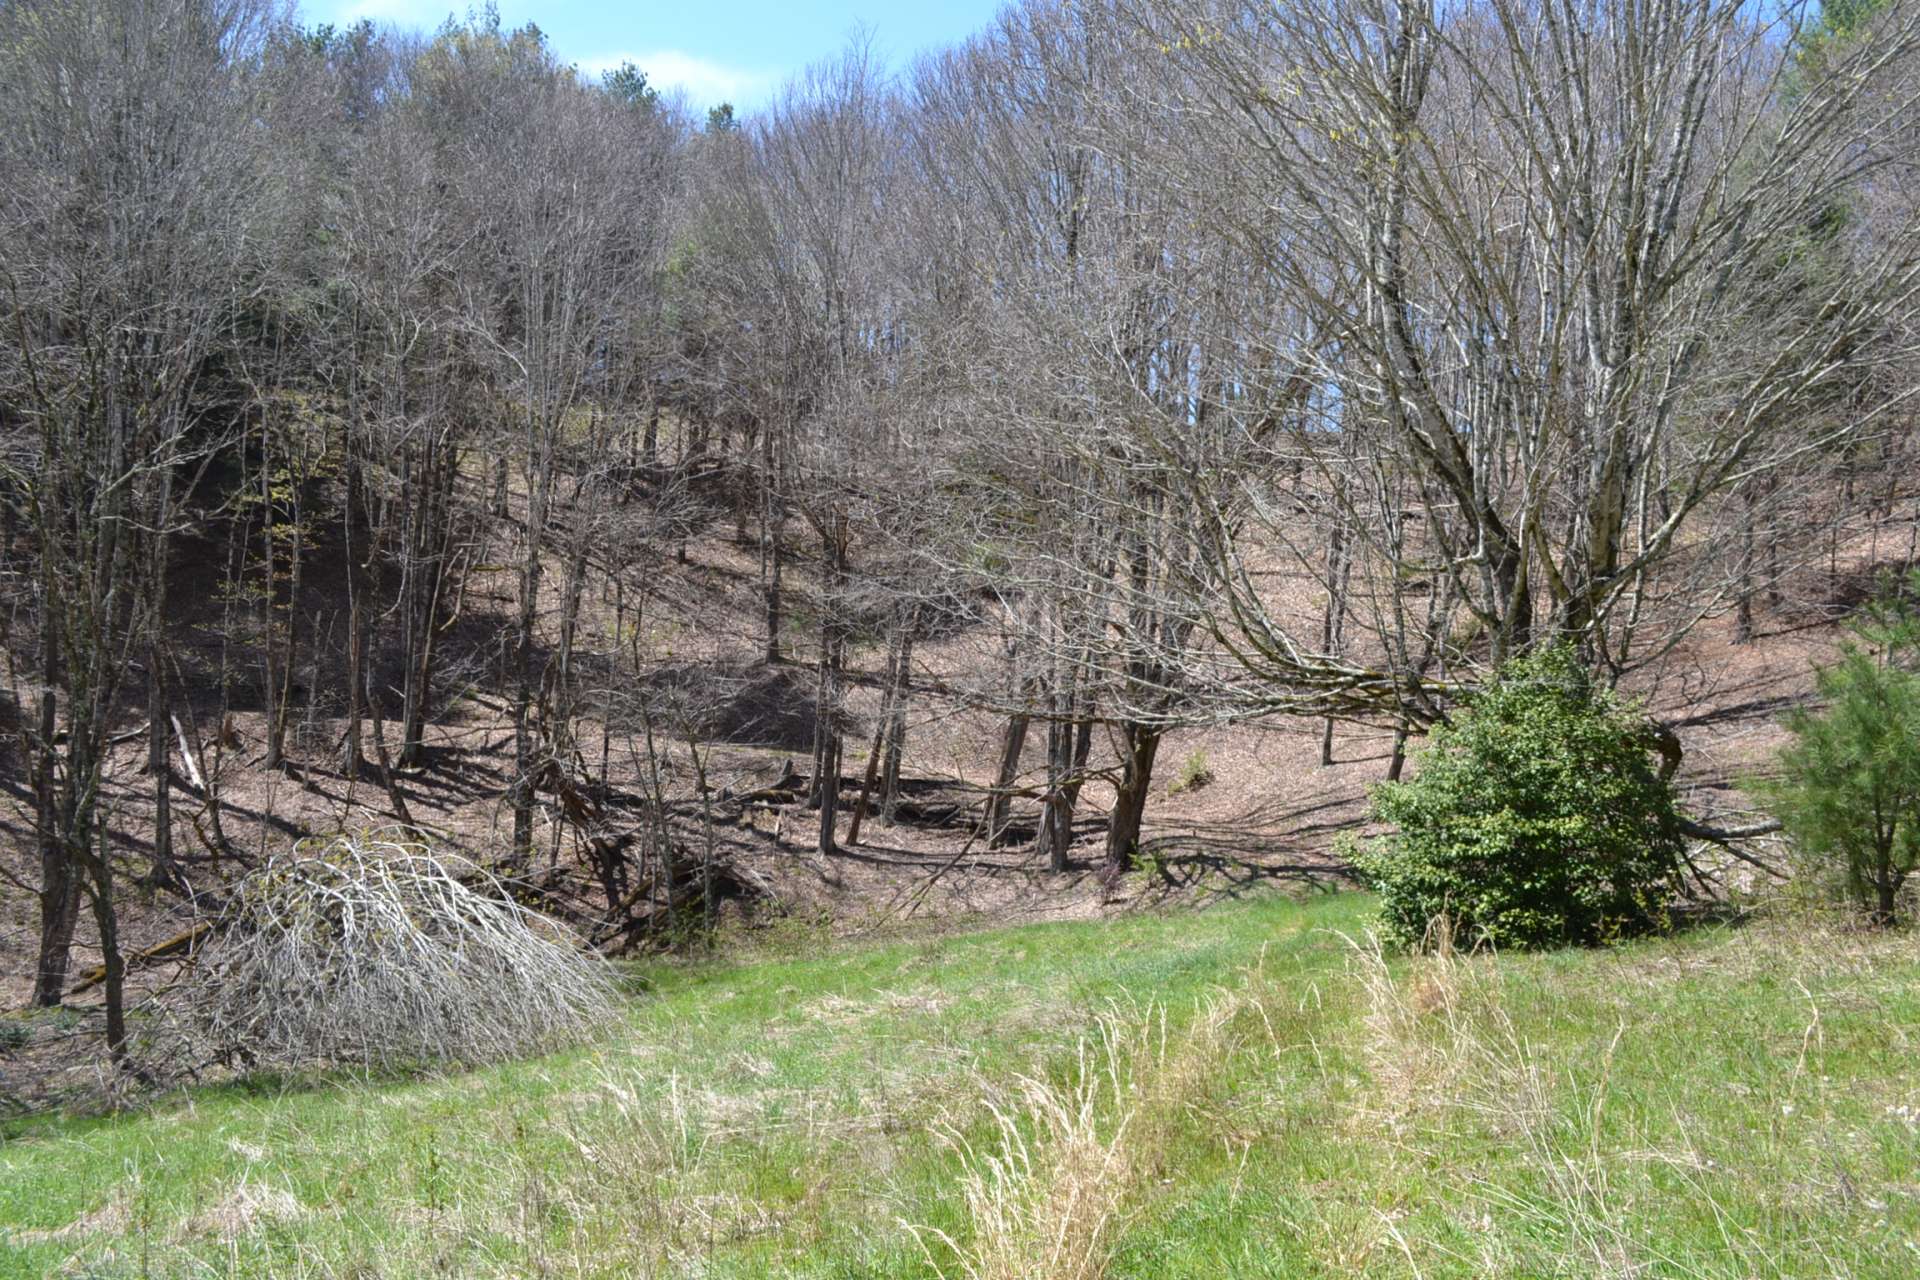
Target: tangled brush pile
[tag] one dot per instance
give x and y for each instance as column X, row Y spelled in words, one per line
column 381, row 953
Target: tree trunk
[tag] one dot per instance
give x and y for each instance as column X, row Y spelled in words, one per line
column 1887, row 894
column 106, row 921
column 59, row 913
column 59, row 883
column 1743, row 613
column 500, row 487
column 867, row 780
column 276, row 672
column 1333, row 622
column 281, row 641
column 1773, row 554
column 1142, row 745
column 771, row 519
column 829, row 792
column 284, row 697
column 770, row 553
column 165, row 870
column 1515, row 634
column 826, row 723
column 430, row 553
column 571, row 597
column 1056, row 810
column 882, row 722
column 355, row 527
column 540, row 475
column 1069, row 743
column 1013, row 744
column 896, row 727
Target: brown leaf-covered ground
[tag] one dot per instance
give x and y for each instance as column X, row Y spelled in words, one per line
column 1264, row 812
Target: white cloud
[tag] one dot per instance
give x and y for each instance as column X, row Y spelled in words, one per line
column 424, row 14
column 706, row 83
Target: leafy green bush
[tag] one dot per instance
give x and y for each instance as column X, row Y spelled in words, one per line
column 1849, row 793
column 1536, row 818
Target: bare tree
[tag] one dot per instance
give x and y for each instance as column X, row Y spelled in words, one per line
column 1110, row 345
column 1563, row 273
column 129, row 199
column 549, row 185
column 792, row 214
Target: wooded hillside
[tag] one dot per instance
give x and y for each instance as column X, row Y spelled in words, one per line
column 411, row 431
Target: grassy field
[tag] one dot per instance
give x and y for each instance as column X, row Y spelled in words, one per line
column 1249, row 1091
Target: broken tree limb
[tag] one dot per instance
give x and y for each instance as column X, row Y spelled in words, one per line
column 785, row 787
column 186, row 755
column 688, row 882
column 1727, row 838
column 866, row 783
column 179, row 944
column 131, row 735
column 1725, row 835
column 920, row 892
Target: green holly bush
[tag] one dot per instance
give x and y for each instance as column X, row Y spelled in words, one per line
column 1537, row 818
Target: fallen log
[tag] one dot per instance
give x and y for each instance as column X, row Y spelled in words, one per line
column 1722, row 835
column 181, row 943
column 785, row 787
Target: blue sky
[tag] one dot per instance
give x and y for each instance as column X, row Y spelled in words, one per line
column 714, row 50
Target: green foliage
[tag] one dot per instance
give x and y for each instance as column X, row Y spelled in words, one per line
column 14, row 1034
column 1194, row 774
column 1840, row 22
column 1849, row 793
column 628, row 84
column 1536, row 818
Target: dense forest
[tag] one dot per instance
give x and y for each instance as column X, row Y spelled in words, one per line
column 1190, row 362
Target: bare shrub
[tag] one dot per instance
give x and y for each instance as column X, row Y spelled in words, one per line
column 382, row 953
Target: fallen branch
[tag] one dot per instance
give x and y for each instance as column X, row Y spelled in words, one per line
column 131, row 735
column 1726, row 837
column 186, row 755
column 925, row 887
column 788, row 785
column 179, row 944
column 376, row 953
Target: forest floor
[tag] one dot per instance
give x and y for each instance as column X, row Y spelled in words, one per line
column 1249, row 1091
column 1234, row 807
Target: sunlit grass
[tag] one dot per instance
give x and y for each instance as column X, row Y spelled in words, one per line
column 1250, row 1091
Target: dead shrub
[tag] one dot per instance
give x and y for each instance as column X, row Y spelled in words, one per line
column 382, row 953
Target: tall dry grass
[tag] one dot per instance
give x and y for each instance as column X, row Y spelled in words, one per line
column 1049, row 1197
column 1442, row 1048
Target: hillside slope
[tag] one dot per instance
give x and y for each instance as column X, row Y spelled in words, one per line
column 1249, row 1091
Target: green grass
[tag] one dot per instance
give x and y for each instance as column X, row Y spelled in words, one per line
column 1731, row 1103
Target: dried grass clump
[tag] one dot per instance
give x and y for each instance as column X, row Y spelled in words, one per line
column 382, row 953
column 1047, row 1202
column 1419, row 1039
column 1439, row 1037
column 1051, row 1200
